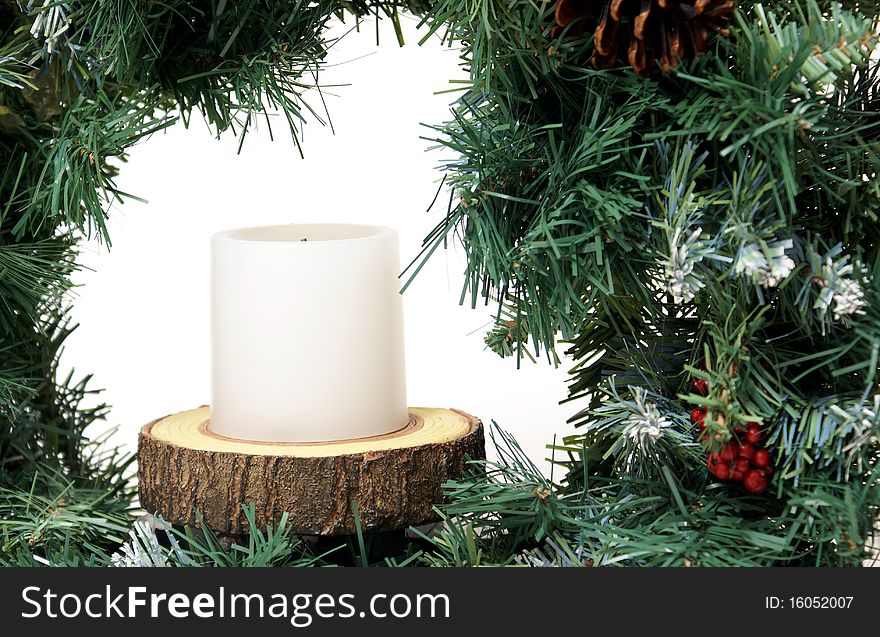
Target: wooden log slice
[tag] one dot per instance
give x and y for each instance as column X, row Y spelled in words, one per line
column 395, row 478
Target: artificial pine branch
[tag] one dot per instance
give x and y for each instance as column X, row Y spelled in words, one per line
column 741, row 286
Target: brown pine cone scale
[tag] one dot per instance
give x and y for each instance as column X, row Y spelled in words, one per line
column 654, row 33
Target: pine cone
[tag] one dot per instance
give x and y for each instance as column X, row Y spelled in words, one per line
column 653, row 31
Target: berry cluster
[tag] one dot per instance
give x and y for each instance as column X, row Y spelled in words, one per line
column 740, row 459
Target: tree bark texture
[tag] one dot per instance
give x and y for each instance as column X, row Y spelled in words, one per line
column 395, row 479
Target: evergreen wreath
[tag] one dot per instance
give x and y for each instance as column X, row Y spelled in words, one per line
column 681, row 195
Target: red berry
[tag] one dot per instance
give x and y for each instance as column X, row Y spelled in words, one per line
column 701, row 386
column 728, row 451
column 746, row 451
column 755, row 482
column 698, row 414
column 742, row 465
column 722, row 470
column 712, row 461
column 736, row 475
column 753, row 434
column 761, row 459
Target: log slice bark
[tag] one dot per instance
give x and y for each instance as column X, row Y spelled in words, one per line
column 395, row 479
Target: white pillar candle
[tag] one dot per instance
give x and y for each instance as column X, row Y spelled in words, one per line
column 307, row 333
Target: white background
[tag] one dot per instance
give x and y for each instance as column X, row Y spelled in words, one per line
column 143, row 305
